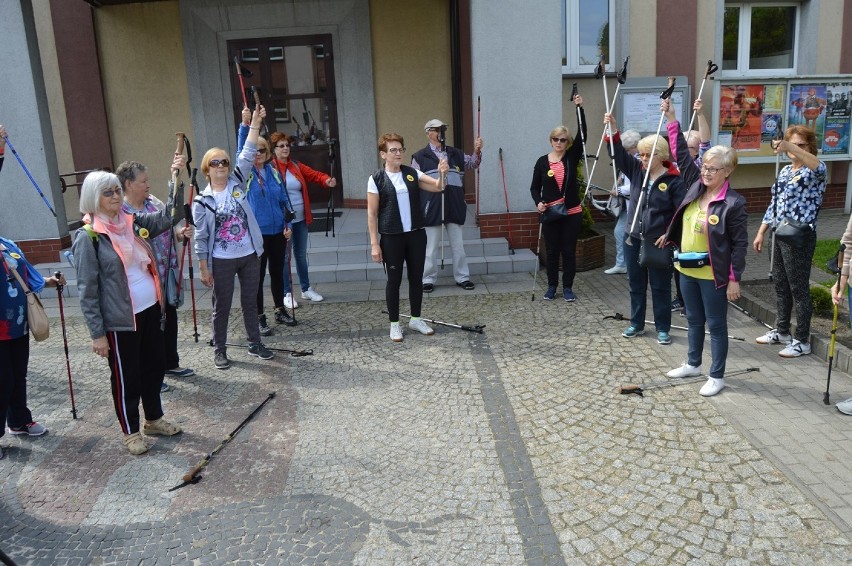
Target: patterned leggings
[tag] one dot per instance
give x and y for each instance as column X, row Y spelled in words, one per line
column 791, row 271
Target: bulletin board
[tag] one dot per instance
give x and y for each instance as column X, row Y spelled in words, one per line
column 638, row 107
column 748, row 114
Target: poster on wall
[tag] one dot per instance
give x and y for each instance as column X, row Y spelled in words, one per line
column 808, row 107
column 838, row 109
column 642, row 110
column 741, row 115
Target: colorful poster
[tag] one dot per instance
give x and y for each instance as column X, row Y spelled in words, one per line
column 771, row 127
column 836, row 138
column 740, row 112
column 838, row 100
column 808, row 105
column 773, row 98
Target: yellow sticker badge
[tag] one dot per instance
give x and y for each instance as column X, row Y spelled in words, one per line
column 410, row 178
column 237, row 194
column 550, row 173
column 458, row 168
column 143, row 233
column 713, row 219
column 663, row 187
column 14, row 255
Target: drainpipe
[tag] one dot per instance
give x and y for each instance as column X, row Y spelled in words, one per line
column 455, row 75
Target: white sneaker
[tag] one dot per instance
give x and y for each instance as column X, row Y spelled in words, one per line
column 290, row 302
column 774, row 337
column 795, row 349
column 420, row 326
column 396, row 332
column 615, row 269
column 685, row 370
column 311, row 295
column 712, row 387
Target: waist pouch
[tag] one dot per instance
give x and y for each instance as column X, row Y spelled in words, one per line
column 692, row 259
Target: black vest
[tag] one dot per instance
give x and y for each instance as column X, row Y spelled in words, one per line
column 390, row 221
column 454, row 203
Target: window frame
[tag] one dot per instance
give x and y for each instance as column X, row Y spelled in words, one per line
column 744, row 41
column 571, row 39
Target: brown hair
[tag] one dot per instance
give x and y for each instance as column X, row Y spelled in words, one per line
column 276, row 137
column 807, row 133
column 387, row 138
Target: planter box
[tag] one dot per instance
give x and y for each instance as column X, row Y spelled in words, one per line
column 590, row 253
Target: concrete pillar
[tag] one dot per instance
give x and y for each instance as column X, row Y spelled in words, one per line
column 23, row 110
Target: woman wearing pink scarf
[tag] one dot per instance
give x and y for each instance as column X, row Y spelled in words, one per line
column 121, row 299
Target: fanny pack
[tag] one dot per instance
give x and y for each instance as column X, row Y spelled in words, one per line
column 692, row 260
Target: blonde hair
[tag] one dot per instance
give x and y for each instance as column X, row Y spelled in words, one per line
column 726, row 156
column 205, row 161
column 662, row 150
column 563, row 132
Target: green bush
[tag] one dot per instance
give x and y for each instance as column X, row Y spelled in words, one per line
column 587, row 221
column 821, row 298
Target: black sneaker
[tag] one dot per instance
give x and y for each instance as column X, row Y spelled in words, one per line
column 264, row 328
column 677, row 304
column 283, row 317
column 259, row 350
column 221, row 361
column 428, row 287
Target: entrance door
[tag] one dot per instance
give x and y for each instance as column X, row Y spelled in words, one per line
column 295, row 77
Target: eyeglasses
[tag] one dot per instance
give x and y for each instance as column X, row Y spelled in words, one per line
column 711, row 170
column 434, row 130
column 559, row 140
column 214, row 163
column 396, row 150
column 112, row 192
column 262, row 151
column 803, row 145
column 282, row 146
column 646, row 155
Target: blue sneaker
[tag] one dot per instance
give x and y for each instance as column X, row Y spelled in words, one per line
column 569, row 295
column 551, row 292
column 632, row 332
column 664, row 338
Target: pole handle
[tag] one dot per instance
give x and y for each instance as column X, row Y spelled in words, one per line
column 669, row 90
column 711, row 68
column 622, row 74
column 188, row 476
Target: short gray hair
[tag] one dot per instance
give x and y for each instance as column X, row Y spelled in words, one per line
column 630, row 138
column 726, row 156
column 128, row 171
column 94, row 184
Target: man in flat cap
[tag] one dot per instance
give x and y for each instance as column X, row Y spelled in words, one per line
column 455, row 207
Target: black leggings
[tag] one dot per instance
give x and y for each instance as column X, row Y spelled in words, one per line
column 408, row 247
column 561, row 239
column 274, row 248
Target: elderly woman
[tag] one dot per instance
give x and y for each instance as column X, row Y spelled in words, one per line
column 394, row 211
column 121, row 300
column 629, row 139
column 229, row 243
column 661, row 198
column 796, row 195
column 554, row 181
column 15, row 340
column 272, row 209
column 138, row 199
column 296, row 177
column 709, row 228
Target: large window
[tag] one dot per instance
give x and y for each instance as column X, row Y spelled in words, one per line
column 586, row 35
column 760, row 38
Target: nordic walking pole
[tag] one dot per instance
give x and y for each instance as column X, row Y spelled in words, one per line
column 582, row 135
column 476, row 328
column 289, row 252
column 242, row 73
column 329, row 213
column 506, row 196
column 59, row 289
column 192, row 475
column 619, row 316
column 837, row 269
column 663, row 96
column 711, row 68
column 621, row 77
column 187, row 208
column 602, row 72
column 293, row 353
column 634, row 389
column 537, row 252
column 778, row 137
column 4, row 558
column 172, row 212
column 29, row 175
column 442, row 139
column 476, row 171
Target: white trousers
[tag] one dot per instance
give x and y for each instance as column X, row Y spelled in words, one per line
column 461, row 272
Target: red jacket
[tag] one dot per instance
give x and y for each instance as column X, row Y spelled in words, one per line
column 305, row 175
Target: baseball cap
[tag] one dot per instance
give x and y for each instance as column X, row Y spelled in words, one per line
column 433, row 123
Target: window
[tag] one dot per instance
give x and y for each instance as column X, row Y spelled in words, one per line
column 586, row 37
column 760, row 38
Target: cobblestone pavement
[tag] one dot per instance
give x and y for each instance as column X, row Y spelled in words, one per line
column 506, row 447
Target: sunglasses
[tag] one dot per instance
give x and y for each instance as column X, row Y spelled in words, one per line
column 559, row 140
column 214, row 163
column 282, row 146
column 112, row 192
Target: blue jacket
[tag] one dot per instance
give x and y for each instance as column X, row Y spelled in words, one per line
column 266, row 193
column 13, row 301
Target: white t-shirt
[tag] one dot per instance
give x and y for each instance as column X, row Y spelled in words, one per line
column 402, row 200
column 143, row 288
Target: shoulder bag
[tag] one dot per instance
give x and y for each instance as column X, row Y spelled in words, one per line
column 791, row 231
column 652, row 257
column 36, row 317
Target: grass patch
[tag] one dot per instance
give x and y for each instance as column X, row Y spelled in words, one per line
column 825, row 250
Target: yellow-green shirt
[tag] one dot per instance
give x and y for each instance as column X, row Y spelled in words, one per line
column 694, row 239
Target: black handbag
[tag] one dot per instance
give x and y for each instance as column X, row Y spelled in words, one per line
column 652, row 257
column 793, row 232
column 554, row 211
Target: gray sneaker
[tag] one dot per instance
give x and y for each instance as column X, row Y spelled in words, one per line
column 31, row 429
column 221, row 361
column 265, row 330
column 261, row 351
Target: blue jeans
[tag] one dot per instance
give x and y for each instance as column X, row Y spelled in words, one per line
column 619, row 236
column 638, row 279
column 299, row 251
column 705, row 303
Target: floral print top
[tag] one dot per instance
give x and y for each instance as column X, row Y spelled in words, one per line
column 797, row 194
column 232, row 236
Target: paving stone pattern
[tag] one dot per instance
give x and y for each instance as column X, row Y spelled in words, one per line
column 507, row 447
